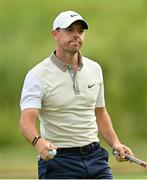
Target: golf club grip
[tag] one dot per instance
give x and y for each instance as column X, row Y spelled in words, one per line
column 132, row 159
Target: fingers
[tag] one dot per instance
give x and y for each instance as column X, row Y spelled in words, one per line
column 122, row 150
column 128, row 151
column 43, row 147
column 122, row 153
column 47, row 155
column 51, row 146
column 119, row 148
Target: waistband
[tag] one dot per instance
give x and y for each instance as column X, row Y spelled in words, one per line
column 80, row 150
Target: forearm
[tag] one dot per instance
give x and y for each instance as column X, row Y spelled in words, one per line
column 28, row 125
column 29, row 131
column 106, row 128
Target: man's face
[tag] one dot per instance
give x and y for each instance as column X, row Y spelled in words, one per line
column 71, row 38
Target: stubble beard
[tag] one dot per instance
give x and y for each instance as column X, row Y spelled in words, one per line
column 73, row 49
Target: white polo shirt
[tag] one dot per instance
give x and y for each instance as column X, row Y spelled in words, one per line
column 66, row 101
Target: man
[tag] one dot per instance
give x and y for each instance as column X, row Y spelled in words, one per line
column 66, row 92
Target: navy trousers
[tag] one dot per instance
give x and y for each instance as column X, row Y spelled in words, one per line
column 92, row 164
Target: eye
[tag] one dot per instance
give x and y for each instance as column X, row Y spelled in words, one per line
column 81, row 30
column 69, row 29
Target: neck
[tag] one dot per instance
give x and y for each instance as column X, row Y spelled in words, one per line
column 68, row 58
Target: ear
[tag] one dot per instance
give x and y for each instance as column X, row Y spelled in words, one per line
column 55, row 35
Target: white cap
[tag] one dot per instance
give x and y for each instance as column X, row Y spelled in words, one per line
column 66, row 18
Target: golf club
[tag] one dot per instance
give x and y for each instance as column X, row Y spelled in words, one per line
column 131, row 159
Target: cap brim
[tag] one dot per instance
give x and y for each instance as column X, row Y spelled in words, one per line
column 85, row 24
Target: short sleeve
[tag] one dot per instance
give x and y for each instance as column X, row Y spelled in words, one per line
column 32, row 94
column 101, row 98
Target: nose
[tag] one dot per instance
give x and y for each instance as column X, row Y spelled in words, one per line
column 76, row 33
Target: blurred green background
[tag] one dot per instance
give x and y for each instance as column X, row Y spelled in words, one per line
column 116, row 39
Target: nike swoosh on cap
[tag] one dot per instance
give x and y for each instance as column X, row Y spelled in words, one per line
column 73, row 15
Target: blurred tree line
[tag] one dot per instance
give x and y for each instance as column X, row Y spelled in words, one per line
column 116, row 39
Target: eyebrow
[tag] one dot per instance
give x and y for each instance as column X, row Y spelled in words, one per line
column 72, row 25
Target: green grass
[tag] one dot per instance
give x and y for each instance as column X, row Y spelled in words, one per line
column 18, row 162
column 127, row 170
column 21, row 162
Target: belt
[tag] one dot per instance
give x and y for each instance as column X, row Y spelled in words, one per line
column 80, row 150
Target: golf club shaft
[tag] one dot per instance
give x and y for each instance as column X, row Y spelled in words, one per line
column 132, row 159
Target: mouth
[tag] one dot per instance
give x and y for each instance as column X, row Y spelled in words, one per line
column 75, row 42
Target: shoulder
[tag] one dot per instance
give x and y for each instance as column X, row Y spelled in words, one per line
column 91, row 64
column 41, row 66
column 42, row 69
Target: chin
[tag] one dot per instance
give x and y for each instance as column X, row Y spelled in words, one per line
column 73, row 51
column 76, row 48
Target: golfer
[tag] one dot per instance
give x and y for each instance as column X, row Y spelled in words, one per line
column 66, row 92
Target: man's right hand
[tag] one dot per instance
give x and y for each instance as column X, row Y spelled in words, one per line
column 43, row 146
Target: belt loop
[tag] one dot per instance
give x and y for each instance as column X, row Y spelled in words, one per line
column 92, row 145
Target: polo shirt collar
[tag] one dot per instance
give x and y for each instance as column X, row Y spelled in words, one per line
column 63, row 66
